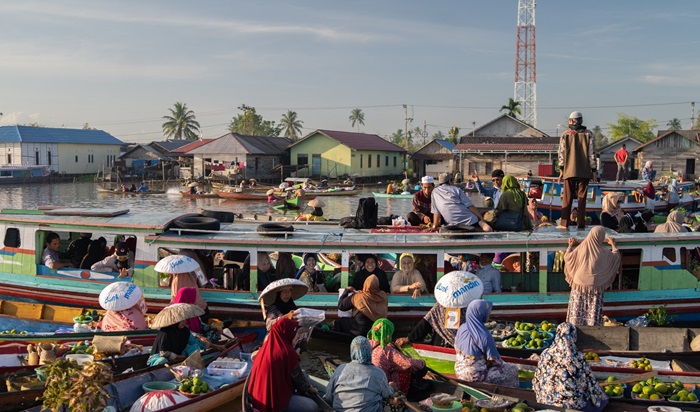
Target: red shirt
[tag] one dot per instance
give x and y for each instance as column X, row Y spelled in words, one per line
column 621, row 156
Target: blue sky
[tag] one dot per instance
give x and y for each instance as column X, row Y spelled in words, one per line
column 119, row 65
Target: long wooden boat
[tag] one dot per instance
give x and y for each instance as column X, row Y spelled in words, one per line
column 655, row 267
column 380, row 195
column 334, row 191
column 287, row 204
column 188, row 195
column 103, row 190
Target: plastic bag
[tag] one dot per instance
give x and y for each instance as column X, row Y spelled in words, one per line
column 639, row 321
column 309, row 317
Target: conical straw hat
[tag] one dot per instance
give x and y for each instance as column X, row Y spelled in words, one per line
column 317, row 203
column 175, row 313
column 119, row 296
column 299, row 289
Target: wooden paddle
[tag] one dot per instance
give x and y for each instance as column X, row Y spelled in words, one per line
column 411, row 406
column 633, row 378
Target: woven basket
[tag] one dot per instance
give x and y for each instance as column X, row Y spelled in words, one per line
column 109, row 344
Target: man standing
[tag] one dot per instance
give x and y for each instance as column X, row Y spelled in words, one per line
column 449, row 202
column 495, row 191
column 576, row 166
column 421, row 203
column 621, row 160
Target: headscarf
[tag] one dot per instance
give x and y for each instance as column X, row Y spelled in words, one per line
column 189, row 295
column 591, row 266
column 284, row 307
column 361, row 350
column 382, row 331
column 510, row 184
column 270, row 381
column 436, row 318
column 127, row 319
column 186, row 280
column 371, row 301
column 674, row 223
column 627, row 224
column 171, row 338
column 285, row 265
column 648, row 165
column 303, row 267
column 611, row 205
column 473, row 338
column 563, row 377
column 649, row 191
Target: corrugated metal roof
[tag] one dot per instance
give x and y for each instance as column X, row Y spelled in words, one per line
column 508, row 147
column 358, row 141
column 29, row 134
column 170, row 145
column 446, row 143
column 234, row 143
column 192, row 145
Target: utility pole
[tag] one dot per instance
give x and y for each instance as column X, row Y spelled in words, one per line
column 407, row 119
column 692, row 115
column 245, row 109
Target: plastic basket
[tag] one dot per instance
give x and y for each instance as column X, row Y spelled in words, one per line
column 227, row 368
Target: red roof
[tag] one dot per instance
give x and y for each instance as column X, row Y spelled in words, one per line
column 505, row 146
column 191, row 146
column 362, row 141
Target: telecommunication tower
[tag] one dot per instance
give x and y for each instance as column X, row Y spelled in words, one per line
column 525, row 63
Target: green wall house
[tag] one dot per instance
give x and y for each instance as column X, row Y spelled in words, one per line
column 334, row 153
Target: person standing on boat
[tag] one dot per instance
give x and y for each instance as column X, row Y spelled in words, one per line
column 648, row 172
column 589, row 269
column 563, row 377
column 489, row 275
column 50, row 257
column 492, row 192
column 421, row 214
column 449, row 202
column 478, row 359
column 367, row 305
column 407, row 279
column 577, row 167
column 118, row 262
column 358, row 385
column 369, row 268
column 621, row 160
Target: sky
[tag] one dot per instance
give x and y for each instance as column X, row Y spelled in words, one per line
column 120, row 65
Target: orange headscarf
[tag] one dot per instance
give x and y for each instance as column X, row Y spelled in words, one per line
column 371, row 301
column 611, row 205
column 591, row 266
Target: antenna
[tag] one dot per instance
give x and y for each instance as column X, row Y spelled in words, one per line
column 525, row 91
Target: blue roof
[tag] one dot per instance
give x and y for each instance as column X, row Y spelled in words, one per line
column 29, row 134
column 446, row 143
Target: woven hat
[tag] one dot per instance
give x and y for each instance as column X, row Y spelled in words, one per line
column 509, row 260
column 406, row 181
column 120, row 296
column 270, row 192
column 444, row 178
column 174, row 264
column 317, row 203
column 458, row 289
column 175, row 313
column 427, row 179
column 268, row 295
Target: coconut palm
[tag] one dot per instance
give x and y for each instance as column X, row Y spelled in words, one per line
column 674, row 124
column 453, row 134
column 357, row 117
column 513, row 108
column 291, row 125
column 181, row 123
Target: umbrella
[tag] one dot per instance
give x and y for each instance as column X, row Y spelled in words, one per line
column 509, row 260
column 120, row 295
column 176, row 264
column 268, row 295
column 175, row 313
column 457, row 289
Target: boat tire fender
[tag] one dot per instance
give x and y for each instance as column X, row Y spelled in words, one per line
column 221, row 216
column 275, row 229
column 198, row 223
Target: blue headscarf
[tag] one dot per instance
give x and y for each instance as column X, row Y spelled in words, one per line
column 361, row 350
column 303, row 267
column 473, row 338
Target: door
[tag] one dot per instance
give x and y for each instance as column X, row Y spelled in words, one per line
column 689, row 167
column 316, row 165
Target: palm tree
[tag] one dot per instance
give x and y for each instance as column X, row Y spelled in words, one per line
column 181, row 123
column 291, row 125
column 357, row 117
column 674, row 124
column 453, row 134
column 513, row 108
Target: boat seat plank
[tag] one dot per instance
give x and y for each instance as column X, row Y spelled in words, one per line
column 61, row 313
column 87, row 212
column 673, row 339
column 23, row 310
column 603, row 337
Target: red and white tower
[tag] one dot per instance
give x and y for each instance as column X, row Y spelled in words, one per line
column 525, row 63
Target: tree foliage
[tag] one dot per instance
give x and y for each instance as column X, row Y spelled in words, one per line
column 674, row 124
column 513, row 108
column 453, row 134
column 642, row 130
column 438, row 135
column 181, row 123
column 398, row 138
column 600, row 139
column 86, row 126
column 357, row 118
column 291, row 125
column 250, row 123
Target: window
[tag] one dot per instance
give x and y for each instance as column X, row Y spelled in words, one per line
column 76, row 158
column 379, row 162
column 369, row 161
column 36, row 158
column 49, row 157
column 9, row 158
column 394, row 161
column 302, row 159
column 12, row 237
column 386, row 160
column 361, row 157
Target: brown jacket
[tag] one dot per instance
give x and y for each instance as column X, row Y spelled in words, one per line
column 577, row 154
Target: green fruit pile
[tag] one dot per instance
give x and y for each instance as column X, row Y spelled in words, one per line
column 592, row 356
column 536, row 343
column 13, row 332
column 641, row 363
column 651, row 389
column 613, row 390
column 547, row 326
column 520, row 407
column 195, row 386
column 679, row 393
column 468, row 406
column 516, row 341
column 524, row 326
column 81, row 347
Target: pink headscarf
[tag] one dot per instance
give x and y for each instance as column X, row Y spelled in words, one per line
column 189, row 295
column 127, row 319
column 591, row 266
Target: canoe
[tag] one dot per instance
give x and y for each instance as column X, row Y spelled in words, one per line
column 243, row 195
column 333, row 192
column 103, row 190
column 395, row 196
column 287, row 204
column 188, row 195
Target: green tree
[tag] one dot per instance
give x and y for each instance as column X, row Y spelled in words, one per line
column 398, row 138
column 181, row 124
column 600, row 139
column 674, row 124
column 250, row 123
column 291, row 125
column 513, row 108
column 438, row 135
column 357, row 117
column 453, row 134
column 34, row 124
column 86, row 126
column 642, row 130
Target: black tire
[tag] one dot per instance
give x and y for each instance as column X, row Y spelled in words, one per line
column 221, row 216
column 451, row 230
column 198, row 222
column 275, row 229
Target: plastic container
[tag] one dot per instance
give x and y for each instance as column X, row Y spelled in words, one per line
column 456, row 407
column 86, row 319
column 158, row 386
column 80, row 358
column 309, row 317
column 248, row 357
column 227, row 368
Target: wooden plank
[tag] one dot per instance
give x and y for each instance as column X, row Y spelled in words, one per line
column 87, row 212
column 24, row 310
column 656, row 339
column 603, row 337
column 61, row 313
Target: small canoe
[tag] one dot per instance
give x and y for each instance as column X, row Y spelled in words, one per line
column 287, row 204
column 333, row 192
column 387, row 196
column 188, row 195
column 103, row 190
column 243, row 195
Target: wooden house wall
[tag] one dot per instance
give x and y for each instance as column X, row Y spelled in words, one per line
column 514, row 164
column 671, row 154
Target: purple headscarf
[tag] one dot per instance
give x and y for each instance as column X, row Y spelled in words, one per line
column 473, row 338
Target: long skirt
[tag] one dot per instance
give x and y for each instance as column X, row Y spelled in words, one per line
column 479, row 370
column 585, row 308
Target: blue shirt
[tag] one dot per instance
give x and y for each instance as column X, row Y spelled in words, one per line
column 143, row 188
column 494, row 192
column 490, row 278
column 453, row 205
column 357, row 387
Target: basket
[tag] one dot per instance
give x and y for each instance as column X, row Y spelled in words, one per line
column 491, row 405
column 158, row 386
column 109, row 344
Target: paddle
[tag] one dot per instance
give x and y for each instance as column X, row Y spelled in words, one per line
column 321, row 403
column 411, row 406
column 633, row 378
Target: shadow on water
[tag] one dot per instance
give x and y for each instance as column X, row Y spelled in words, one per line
column 323, row 347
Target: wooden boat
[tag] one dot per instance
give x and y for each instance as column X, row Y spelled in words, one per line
column 242, row 195
column 188, row 195
column 655, row 267
column 392, row 196
column 293, row 203
column 103, row 190
column 334, row 191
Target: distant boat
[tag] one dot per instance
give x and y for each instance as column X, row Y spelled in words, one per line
column 392, row 196
column 136, row 193
column 23, row 174
column 188, row 195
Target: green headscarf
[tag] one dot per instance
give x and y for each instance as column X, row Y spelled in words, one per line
column 510, row 184
column 382, row 330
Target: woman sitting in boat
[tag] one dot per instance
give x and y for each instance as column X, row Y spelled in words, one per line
column 408, row 279
column 95, row 253
column 285, row 267
column 478, row 359
column 433, row 323
column 535, row 215
column 253, row 183
column 309, row 273
column 118, row 262
column 369, row 267
column 188, row 280
column 611, row 211
column 648, row 172
column 277, row 382
column 125, row 307
column 266, row 273
column 367, row 305
column 271, row 198
column 589, row 269
column 674, row 224
column 515, row 200
column 195, row 325
column 358, row 385
column 398, row 367
column 563, row 377
column 317, row 214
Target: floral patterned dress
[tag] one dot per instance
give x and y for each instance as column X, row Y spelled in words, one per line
column 473, row 369
column 397, row 366
column 585, row 308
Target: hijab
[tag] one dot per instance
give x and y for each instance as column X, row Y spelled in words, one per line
column 361, row 350
column 381, row 331
column 674, row 223
column 282, row 306
column 189, row 295
column 510, row 184
column 436, row 318
column 285, row 265
column 649, row 165
column 127, row 319
column 171, row 338
column 611, row 205
column 303, row 267
column 627, row 224
column 371, row 301
column 591, row 266
column 649, row 191
column 273, row 368
column 563, row 377
column 472, row 337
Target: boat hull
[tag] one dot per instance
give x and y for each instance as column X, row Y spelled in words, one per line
column 199, row 195
column 387, row 196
